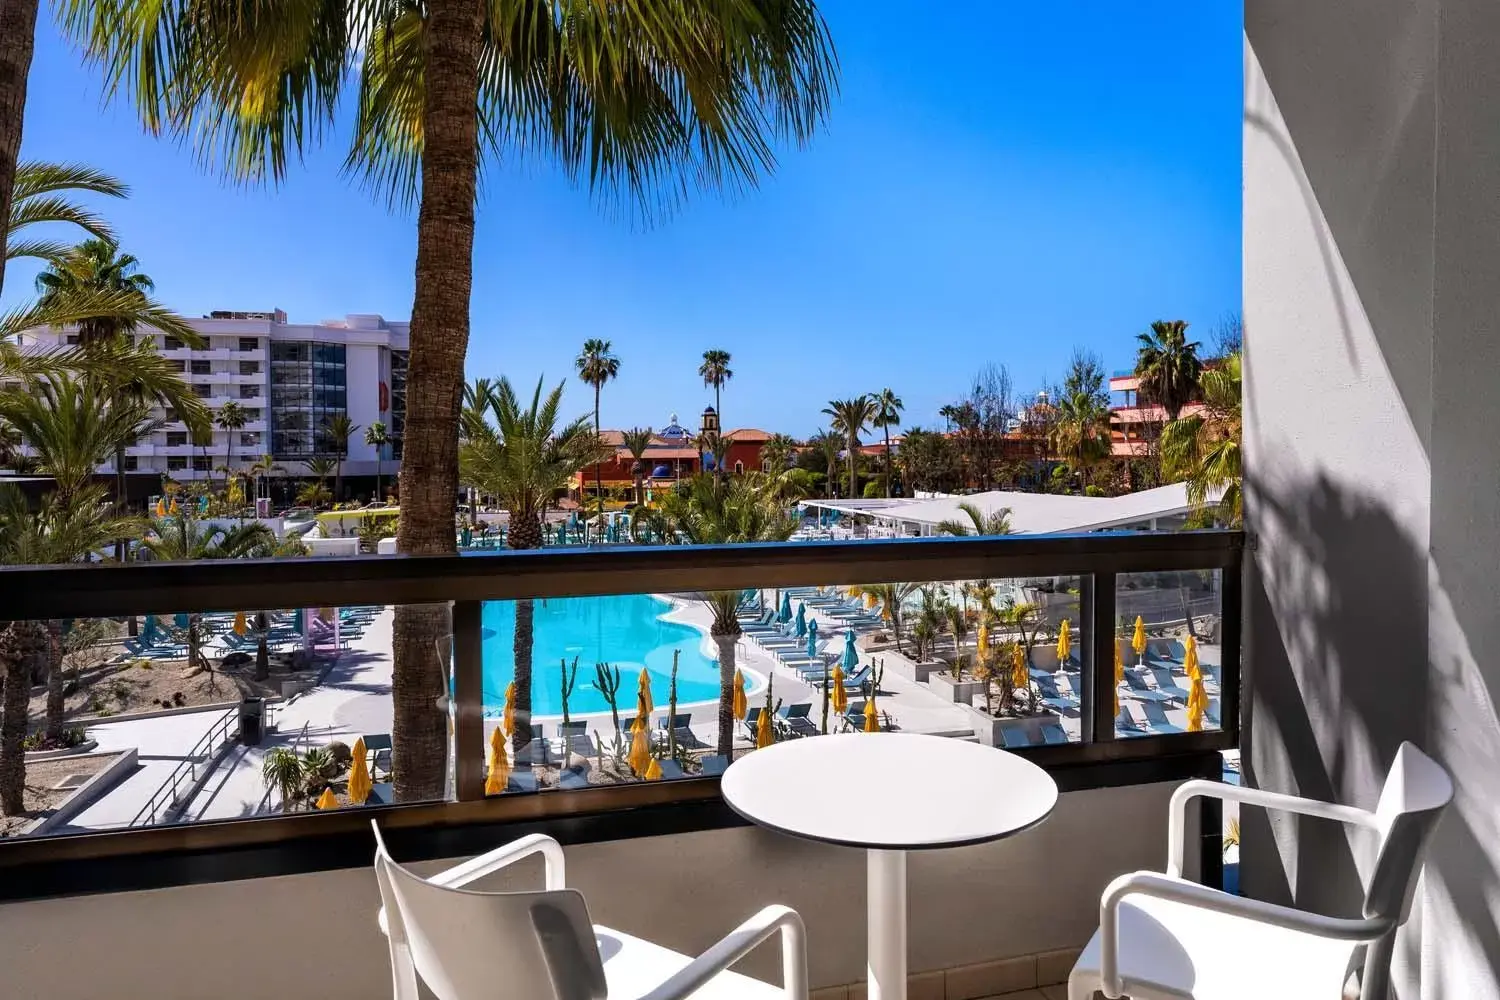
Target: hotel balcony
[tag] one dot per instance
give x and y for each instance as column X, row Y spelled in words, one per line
column 208, row 354
column 185, row 838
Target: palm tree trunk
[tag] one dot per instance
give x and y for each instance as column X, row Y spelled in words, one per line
column 887, row 460
column 19, row 646
column 521, row 651
column 853, row 493
column 54, row 725
column 726, row 644
column 121, row 544
column 17, row 38
column 598, row 466
column 439, row 339
column 338, row 480
column 719, row 412
column 379, row 483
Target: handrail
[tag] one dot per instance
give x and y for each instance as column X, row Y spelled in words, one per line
column 78, row 591
column 166, row 795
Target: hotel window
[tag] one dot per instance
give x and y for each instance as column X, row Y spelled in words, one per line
column 202, row 368
column 131, row 463
column 171, row 344
column 200, row 464
column 176, row 463
column 249, row 440
column 249, row 392
column 176, row 439
column 249, row 367
column 202, row 391
column 178, row 365
column 252, row 413
column 171, row 417
column 249, row 344
column 739, row 468
column 72, row 340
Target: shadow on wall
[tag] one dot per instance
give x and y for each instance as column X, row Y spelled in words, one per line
column 1337, row 678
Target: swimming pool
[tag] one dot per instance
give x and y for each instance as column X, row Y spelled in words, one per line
column 625, row 631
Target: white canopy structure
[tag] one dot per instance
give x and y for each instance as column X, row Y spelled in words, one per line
column 1030, row 513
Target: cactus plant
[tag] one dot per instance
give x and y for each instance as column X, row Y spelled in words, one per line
column 607, row 682
column 569, row 679
column 672, row 707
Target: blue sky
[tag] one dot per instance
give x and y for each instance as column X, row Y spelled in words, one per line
column 998, row 185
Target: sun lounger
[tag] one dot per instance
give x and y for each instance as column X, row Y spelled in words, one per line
column 1141, row 691
column 714, row 764
column 670, row 769
column 573, row 738
column 537, row 753
column 1157, row 719
column 801, row 710
column 1125, row 721
column 572, row 778
column 1167, row 685
column 680, row 726
column 752, row 719
column 1053, row 734
column 1015, row 736
column 1051, row 696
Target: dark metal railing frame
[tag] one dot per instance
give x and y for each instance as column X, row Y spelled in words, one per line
column 46, row 866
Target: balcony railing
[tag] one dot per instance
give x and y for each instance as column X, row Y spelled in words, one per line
column 1095, row 581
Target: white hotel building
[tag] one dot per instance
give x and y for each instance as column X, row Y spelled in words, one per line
column 289, row 378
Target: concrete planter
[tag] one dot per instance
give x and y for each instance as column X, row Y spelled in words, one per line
column 991, row 731
column 84, row 747
column 961, row 692
column 918, row 672
column 87, row 793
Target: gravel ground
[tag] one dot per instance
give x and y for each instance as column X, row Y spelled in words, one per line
column 41, row 798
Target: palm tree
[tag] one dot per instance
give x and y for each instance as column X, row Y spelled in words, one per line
column 70, row 429
column 1080, row 432
column 715, row 372
column 473, row 421
column 64, row 529
column 778, row 452
column 262, row 470
column 1205, row 447
column 978, row 523
column 892, row 598
column 376, row 437
column 830, row 446
column 338, row 429
column 36, row 200
column 888, row 408
column 524, row 460
column 647, row 108
column 316, row 494
column 958, row 627
column 710, row 510
column 94, row 265
column 182, row 539
column 849, row 417
column 636, row 441
column 596, row 365
column 1167, row 365
column 230, row 419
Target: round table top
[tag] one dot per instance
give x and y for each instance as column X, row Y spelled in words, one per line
column 891, row 791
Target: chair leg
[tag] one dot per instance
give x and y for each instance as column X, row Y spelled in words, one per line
column 1375, row 978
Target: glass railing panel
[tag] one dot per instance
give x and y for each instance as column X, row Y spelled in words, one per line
column 1169, row 636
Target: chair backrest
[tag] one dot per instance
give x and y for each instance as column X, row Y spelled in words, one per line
column 1417, row 790
column 572, row 728
column 463, row 943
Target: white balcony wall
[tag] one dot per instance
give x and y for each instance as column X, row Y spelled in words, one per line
column 1372, row 203
column 1037, row 892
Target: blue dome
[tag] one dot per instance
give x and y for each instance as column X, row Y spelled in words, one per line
column 660, row 472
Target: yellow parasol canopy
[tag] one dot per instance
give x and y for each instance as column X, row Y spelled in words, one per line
column 508, row 717
column 240, row 625
column 161, row 509
column 837, row 696
column 1020, row 677
column 1138, row 641
column 643, row 687
column 872, row 717
column 870, row 599
column 984, row 638
column 764, row 736
column 1197, row 706
column 173, row 509
column 741, row 703
column 1190, row 660
column 855, row 591
column 499, row 776
column 653, row 770
column 1064, row 642
column 359, row 774
column 328, row 800
column 640, row 741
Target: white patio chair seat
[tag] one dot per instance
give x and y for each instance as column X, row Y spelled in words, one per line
column 1162, row 937
column 465, row 944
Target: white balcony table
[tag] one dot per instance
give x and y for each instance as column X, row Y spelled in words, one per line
column 889, row 793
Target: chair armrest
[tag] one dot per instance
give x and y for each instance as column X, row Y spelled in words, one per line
column 1189, row 790
column 736, row 945
column 1183, row 891
column 500, row 857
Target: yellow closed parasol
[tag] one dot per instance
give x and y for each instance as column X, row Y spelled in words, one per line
column 741, row 703
column 1119, row 675
column 643, row 689
column 872, row 717
column 161, row 509
column 328, row 800
column 240, row 625
column 359, row 774
column 1020, row 677
column 508, row 717
column 1190, row 660
column 640, row 741
column 1138, row 641
column 984, row 639
column 1064, row 642
column 499, row 776
column 653, row 770
column 837, row 696
column 1197, row 706
column 764, row 735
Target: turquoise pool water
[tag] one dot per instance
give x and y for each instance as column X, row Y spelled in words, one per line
column 625, row 631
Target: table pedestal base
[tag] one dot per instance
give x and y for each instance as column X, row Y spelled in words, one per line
column 886, row 946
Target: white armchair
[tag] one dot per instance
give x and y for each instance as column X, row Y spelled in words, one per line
column 466, row 944
column 1162, row 937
